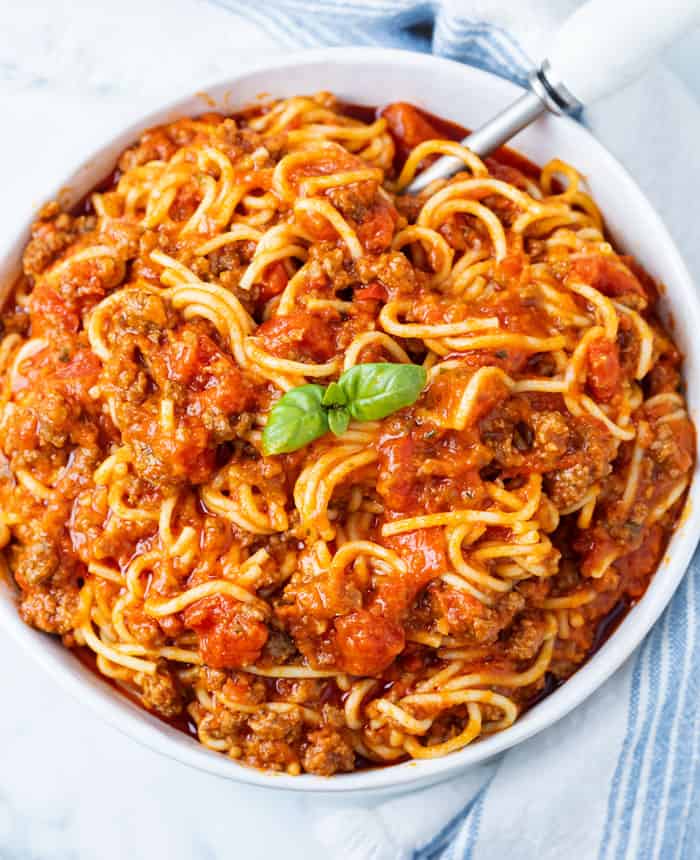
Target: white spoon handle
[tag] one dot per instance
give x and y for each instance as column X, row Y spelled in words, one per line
column 606, row 44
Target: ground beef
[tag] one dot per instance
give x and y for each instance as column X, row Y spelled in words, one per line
column 226, row 724
column 526, row 638
column 391, row 269
column 497, row 618
column 675, row 459
column 235, row 141
column 525, row 437
column 279, row 648
column 141, row 312
column 48, row 609
column 552, row 433
column 41, row 427
column 353, row 200
column 36, row 562
column 589, row 457
column 16, row 321
column 160, row 693
column 56, row 419
column 212, row 679
column 467, row 616
column 233, row 257
column 125, row 237
column 665, row 375
column 567, row 486
column 274, row 740
column 145, row 629
column 52, row 233
column 328, row 751
column 271, row 726
column 455, row 606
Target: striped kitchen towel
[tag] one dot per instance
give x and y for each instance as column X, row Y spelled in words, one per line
column 620, row 776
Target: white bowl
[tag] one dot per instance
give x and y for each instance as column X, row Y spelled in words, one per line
column 468, row 96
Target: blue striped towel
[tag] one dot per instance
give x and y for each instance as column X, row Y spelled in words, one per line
column 619, row 777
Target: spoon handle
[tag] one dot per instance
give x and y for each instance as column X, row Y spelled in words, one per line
column 601, row 48
column 484, row 140
column 606, row 44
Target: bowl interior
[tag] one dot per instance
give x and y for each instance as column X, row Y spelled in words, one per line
column 467, row 96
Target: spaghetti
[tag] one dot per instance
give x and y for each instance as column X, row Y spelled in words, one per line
column 400, row 589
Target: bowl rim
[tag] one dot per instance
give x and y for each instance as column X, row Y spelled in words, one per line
column 148, row 730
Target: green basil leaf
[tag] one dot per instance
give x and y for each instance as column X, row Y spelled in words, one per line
column 295, row 420
column 334, row 396
column 374, row 391
column 338, row 420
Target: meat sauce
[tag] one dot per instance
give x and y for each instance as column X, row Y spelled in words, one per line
column 422, row 469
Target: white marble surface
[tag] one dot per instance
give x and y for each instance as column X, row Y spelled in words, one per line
column 72, row 788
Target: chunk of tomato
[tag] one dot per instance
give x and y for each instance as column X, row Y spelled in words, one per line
column 366, row 642
column 228, row 637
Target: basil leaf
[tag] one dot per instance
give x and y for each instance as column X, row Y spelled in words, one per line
column 374, row 391
column 338, row 420
column 334, row 396
column 295, row 420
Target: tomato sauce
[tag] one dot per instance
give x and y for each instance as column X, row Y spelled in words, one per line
column 171, row 391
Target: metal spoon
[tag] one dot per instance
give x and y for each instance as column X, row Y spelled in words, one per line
column 601, row 48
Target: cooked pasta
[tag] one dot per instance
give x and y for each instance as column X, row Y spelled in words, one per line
column 385, row 584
